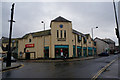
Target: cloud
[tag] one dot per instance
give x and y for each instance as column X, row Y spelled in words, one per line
column 84, row 16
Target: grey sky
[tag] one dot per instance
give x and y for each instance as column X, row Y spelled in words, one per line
column 84, row 16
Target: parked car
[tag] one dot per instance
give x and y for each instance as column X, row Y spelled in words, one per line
column 12, row 59
column 116, row 52
column 103, row 54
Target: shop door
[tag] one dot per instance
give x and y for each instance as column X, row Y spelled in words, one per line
column 27, row 55
column 85, row 52
column 46, row 52
column 74, row 51
column 79, row 51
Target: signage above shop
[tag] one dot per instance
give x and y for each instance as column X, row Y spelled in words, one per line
column 29, row 45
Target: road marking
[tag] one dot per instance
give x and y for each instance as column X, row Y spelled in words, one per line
column 13, row 69
column 103, row 69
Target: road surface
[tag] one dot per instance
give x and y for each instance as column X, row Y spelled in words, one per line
column 74, row 69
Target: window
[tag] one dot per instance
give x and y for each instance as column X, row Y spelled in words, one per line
column 61, row 33
column 64, row 33
column 85, row 41
column 94, row 43
column 79, row 38
column 57, row 33
column 29, row 40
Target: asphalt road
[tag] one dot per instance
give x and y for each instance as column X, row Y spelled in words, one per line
column 75, row 69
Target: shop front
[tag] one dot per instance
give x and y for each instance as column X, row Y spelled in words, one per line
column 85, row 51
column 90, row 51
column 95, row 52
column 29, row 54
column 74, row 51
column 79, row 51
column 61, row 51
column 46, row 52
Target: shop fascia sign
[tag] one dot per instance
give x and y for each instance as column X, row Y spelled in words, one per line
column 29, row 45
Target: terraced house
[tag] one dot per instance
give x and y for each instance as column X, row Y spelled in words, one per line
column 58, row 42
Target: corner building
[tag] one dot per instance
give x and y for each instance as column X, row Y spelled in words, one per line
column 60, row 41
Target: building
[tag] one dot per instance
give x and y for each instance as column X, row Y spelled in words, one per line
column 111, row 44
column 58, row 42
column 14, row 46
column 105, row 45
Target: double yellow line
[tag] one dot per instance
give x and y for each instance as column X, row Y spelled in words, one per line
column 103, row 69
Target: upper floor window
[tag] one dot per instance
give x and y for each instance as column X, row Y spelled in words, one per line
column 61, row 33
column 57, row 33
column 64, row 33
column 94, row 43
column 79, row 38
column 84, row 40
column 29, row 40
column 89, row 42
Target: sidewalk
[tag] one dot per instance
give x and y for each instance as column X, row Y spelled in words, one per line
column 13, row 66
column 60, row 60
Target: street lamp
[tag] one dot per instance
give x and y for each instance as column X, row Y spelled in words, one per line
column 92, row 34
column 44, row 36
column 92, row 31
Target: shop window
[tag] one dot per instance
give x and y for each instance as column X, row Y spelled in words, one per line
column 57, row 33
column 64, row 33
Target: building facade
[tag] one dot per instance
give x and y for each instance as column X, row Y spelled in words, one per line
column 105, row 45
column 58, row 42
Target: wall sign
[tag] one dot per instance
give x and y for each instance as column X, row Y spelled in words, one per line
column 29, row 45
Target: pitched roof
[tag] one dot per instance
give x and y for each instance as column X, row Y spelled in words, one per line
column 60, row 19
column 38, row 34
column 101, row 40
column 109, row 40
column 77, row 32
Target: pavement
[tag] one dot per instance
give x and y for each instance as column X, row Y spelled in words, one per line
column 59, row 60
column 13, row 66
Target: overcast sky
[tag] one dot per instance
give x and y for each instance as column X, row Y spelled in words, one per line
column 84, row 16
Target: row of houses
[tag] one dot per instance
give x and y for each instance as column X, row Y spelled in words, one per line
column 58, row 42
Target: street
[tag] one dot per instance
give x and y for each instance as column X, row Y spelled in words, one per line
column 74, row 69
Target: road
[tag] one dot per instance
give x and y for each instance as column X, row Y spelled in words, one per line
column 75, row 69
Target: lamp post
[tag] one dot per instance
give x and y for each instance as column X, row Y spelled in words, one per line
column 92, row 35
column 92, row 31
column 44, row 37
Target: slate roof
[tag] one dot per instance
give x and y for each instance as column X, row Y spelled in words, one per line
column 7, row 40
column 60, row 19
column 101, row 40
column 77, row 32
column 38, row 34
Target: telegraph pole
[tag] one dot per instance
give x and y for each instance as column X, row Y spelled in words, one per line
column 8, row 62
column 117, row 29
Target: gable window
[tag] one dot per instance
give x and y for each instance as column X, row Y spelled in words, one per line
column 29, row 40
column 64, row 33
column 57, row 33
column 61, row 33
